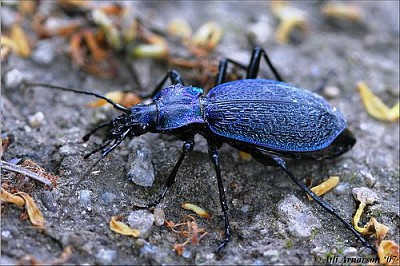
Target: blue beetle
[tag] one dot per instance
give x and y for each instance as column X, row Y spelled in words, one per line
column 269, row 119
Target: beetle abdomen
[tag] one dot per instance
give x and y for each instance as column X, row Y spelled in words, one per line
column 273, row 115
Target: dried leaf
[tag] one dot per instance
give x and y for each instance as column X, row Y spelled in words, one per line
column 245, row 156
column 198, row 210
column 325, row 186
column 290, row 18
column 97, row 53
column 342, row 11
column 373, row 227
column 208, row 36
column 10, row 198
column 75, row 49
column 179, row 28
column 375, row 107
column 388, row 252
column 123, row 229
column 34, row 213
column 20, row 40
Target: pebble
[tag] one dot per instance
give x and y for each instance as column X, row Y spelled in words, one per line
column 331, row 92
column 141, row 169
column 48, row 200
column 350, row 251
column 142, row 220
column 298, row 217
column 85, row 197
column 245, row 208
column 44, row 53
column 107, row 198
column 272, row 254
column 369, row 178
column 36, row 120
column 364, row 194
column 68, row 150
column 105, row 256
column 159, row 216
column 13, row 79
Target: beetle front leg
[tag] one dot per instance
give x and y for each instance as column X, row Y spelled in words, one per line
column 173, row 76
column 224, row 205
column 187, row 147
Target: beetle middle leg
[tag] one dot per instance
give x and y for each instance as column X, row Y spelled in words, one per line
column 187, row 147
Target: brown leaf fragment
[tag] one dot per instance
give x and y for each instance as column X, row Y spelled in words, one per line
column 35, row 216
column 10, row 198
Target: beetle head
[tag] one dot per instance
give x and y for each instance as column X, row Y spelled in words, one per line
column 136, row 121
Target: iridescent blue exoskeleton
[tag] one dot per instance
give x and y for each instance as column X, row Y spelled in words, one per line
column 269, row 119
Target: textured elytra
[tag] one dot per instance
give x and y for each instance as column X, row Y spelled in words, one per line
column 273, row 115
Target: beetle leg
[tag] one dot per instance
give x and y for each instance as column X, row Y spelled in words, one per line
column 175, row 78
column 282, row 164
column 324, row 81
column 224, row 205
column 253, row 68
column 187, row 147
column 222, row 70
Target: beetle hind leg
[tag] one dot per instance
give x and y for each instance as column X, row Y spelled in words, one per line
column 282, row 164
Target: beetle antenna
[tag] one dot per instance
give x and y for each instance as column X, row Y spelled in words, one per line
column 105, row 152
column 114, row 104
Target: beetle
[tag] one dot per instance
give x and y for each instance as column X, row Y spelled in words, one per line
column 269, row 119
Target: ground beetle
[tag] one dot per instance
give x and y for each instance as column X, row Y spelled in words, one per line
column 269, row 119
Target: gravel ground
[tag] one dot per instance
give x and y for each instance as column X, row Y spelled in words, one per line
column 272, row 220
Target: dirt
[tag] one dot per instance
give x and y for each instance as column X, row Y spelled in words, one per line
column 366, row 50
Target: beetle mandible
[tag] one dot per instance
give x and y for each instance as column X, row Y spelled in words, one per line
column 269, row 119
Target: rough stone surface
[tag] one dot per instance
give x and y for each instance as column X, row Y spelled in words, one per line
column 367, row 50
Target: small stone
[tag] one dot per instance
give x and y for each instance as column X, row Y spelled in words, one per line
column 68, row 150
column 142, row 220
column 331, row 92
column 13, row 79
column 365, row 195
column 36, row 120
column 85, row 197
column 371, row 181
column 48, row 200
column 342, row 188
column 105, row 256
column 298, row 217
column 245, row 208
column 350, row 251
column 141, row 169
column 159, row 216
column 107, row 198
column 44, row 53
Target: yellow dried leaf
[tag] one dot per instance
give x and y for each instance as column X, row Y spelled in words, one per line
column 325, row 186
column 179, row 28
column 290, row 18
column 388, row 252
column 8, row 42
column 373, row 227
column 35, row 216
column 342, row 11
column 10, row 198
column 375, row 107
column 21, row 42
column 115, row 96
column 208, row 36
column 198, row 210
column 245, row 156
column 123, row 229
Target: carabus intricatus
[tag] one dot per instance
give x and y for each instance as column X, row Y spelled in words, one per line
column 269, row 119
